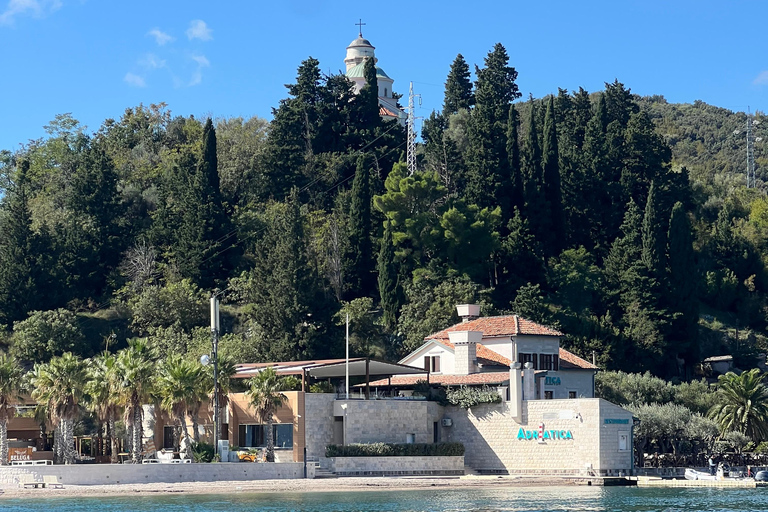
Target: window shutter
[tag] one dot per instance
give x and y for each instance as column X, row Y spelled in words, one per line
column 436, row 364
column 535, row 361
column 426, row 363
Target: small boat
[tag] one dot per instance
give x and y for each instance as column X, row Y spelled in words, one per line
column 692, row 474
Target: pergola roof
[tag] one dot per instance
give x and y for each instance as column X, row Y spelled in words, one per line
column 330, row 368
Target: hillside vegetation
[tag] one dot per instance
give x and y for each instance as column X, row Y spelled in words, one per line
column 621, row 220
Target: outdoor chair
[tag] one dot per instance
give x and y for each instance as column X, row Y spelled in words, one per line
column 52, row 482
column 27, row 481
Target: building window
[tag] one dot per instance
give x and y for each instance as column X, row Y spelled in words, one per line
column 432, row 364
column 572, row 394
column 385, row 92
column 623, row 441
column 253, row 436
column 548, row 395
column 548, row 362
column 529, row 358
column 169, row 436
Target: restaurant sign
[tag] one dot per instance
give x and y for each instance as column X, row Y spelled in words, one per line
column 20, row 453
column 542, row 434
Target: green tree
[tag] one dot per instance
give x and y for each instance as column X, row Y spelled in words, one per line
column 12, row 385
column 517, row 195
column 178, row 388
column 458, row 88
column 46, row 334
column 265, row 396
column 654, row 238
column 360, row 275
column 529, row 303
column 552, row 193
column 179, row 303
column 521, row 259
column 742, row 404
column 137, row 373
column 535, row 210
column 389, row 287
column 59, row 385
column 102, row 395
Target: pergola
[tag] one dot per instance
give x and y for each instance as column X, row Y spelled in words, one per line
column 333, row 368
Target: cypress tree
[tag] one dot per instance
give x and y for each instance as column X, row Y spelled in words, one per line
column 551, row 184
column 653, row 237
column 458, row 88
column 388, row 284
column 361, row 251
column 535, row 203
column 488, row 176
column 517, row 197
column 368, row 99
column 684, row 284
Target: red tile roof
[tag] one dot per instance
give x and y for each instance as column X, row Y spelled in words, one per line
column 569, row 361
column 474, row 379
column 493, row 326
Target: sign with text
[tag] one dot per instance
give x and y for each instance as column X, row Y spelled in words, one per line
column 543, row 434
column 20, row 453
column 612, row 421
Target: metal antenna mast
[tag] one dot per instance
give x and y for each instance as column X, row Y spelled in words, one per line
column 412, row 130
column 751, row 183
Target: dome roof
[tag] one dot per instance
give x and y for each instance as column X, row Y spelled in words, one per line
column 360, row 41
column 359, row 72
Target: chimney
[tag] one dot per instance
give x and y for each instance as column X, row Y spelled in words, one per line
column 468, row 312
column 516, row 392
column 465, row 350
column 529, row 382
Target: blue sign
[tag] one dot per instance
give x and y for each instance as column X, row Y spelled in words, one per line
column 609, row 421
column 552, row 381
column 527, row 435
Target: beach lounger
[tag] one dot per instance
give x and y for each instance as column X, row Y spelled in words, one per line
column 28, row 481
column 52, row 482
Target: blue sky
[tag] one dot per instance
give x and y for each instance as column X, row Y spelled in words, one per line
column 94, row 58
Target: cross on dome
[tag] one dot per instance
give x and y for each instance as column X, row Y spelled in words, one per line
column 360, row 25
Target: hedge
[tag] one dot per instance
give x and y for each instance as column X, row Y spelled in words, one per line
column 395, row 450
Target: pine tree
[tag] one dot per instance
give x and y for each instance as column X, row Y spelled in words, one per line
column 388, row 280
column 551, row 184
column 360, row 259
column 458, row 88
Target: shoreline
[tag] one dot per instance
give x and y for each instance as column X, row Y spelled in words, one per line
column 342, row 484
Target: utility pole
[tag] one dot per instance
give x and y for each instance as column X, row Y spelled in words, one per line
column 215, row 328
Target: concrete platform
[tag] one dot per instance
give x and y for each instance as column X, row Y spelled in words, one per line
column 644, row 481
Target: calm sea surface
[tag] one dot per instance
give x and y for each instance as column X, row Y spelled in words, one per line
column 530, row 499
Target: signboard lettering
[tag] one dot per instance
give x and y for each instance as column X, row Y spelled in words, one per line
column 552, row 381
column 611, row 421
column 542, row 434
column 20, row 453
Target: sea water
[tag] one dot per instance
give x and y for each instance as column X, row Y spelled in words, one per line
column 528, row 499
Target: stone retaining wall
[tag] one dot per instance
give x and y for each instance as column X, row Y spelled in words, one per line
column 105, row 474
column 384, row 466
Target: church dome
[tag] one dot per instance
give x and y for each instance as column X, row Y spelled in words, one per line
column 360, row 41
column 358, row 71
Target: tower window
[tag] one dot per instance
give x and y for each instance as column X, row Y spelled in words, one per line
column 385, row 92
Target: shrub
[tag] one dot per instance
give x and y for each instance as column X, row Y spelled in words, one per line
column 202, row 452
column 322, row 386
column 395, row 450
column 467, row 397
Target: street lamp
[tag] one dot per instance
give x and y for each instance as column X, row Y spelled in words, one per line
column 206, row 360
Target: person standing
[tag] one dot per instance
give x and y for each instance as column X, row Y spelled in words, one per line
column 712, row 466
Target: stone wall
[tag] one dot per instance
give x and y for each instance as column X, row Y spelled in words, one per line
column 318, row 421
column 105, row 474
column 577, row 439
column 389, row 421
column 384, row 466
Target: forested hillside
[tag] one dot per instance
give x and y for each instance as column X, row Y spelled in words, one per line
column 621, row 220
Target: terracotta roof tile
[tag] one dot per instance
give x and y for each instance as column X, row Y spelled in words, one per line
column 473, row 379
column 574, row 361
column 492, row 326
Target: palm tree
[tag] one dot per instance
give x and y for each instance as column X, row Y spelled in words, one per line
column 136, row 376
column 11, row 388
column 59, row 384
column 264, row 393
column 102, row 392
column 178, row 387
column 742, row 404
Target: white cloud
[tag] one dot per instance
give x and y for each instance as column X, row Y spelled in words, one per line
column 134, row 80
column 199, row 30
column 762, row 79
column 152, row 61
column 160, row 37
column 197, row 76
column 36, row 8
